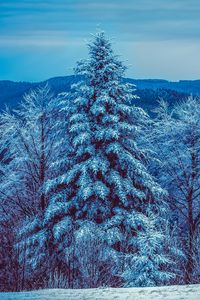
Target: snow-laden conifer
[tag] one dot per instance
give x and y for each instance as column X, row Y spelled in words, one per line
column 108, row 171
column 147, row 265
column 108, row 182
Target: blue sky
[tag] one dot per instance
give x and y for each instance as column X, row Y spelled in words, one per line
column 40, row 39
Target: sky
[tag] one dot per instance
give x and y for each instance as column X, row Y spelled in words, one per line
column 40, row 39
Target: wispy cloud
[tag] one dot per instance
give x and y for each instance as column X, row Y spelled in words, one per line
column 154, row 18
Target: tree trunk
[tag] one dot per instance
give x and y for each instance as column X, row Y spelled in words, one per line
column 42, row 164
column 190, row 260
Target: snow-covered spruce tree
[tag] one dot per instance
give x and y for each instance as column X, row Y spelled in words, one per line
column 108, row 182
column 147, row 267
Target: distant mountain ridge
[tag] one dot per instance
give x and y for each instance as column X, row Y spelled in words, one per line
column 149, row 90
column 183, row 86
column 11, row 92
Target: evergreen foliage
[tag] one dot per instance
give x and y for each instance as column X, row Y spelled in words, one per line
column 108, row 182
column 79, row 205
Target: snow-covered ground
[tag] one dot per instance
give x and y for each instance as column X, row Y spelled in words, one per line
column 189, row 292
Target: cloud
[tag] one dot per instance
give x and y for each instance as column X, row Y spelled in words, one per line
column 145, row 18
column 161, row 59
column 39, row 26
column 41, row 39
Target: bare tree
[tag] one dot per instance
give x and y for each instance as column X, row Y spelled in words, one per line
column 176, row 136
column 31, row 139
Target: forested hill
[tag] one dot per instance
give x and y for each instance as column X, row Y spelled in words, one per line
column 149, row 90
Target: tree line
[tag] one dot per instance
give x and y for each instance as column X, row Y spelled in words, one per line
column 93, row 191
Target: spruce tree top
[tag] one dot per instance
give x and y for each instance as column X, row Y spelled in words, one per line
column 103, row 66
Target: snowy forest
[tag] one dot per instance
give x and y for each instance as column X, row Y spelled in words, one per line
column 94, row 191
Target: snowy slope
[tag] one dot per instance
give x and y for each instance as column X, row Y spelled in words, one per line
column 190, row 292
